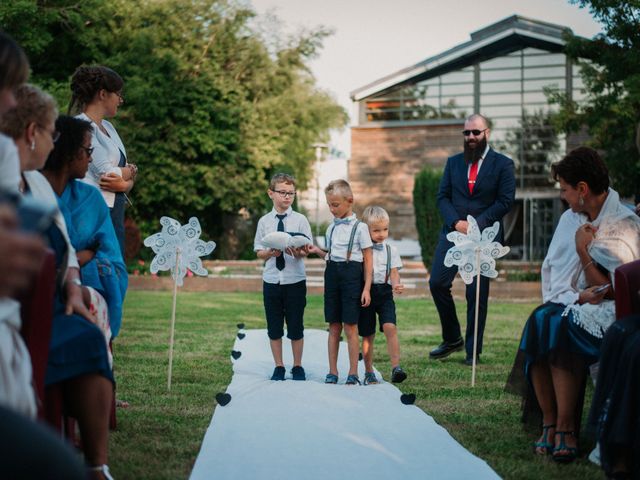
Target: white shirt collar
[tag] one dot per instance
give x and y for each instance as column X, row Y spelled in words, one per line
column 286, row 212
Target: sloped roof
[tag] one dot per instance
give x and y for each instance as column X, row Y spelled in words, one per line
column 501, row 38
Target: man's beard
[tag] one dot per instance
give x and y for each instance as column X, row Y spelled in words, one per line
column 473, row 153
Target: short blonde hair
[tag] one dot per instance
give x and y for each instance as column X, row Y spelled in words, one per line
column 339, row 187
column 374, row 214
column 33, row 106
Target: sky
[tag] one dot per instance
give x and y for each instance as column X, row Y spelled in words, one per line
column 374, row 38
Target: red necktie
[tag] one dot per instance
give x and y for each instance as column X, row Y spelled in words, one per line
column 473, row 174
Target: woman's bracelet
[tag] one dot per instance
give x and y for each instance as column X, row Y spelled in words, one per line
column 585, row 267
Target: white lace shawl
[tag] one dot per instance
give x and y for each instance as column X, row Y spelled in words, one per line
column 616, row 242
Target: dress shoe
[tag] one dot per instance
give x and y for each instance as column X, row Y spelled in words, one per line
column 446, row 348
column 469, row 361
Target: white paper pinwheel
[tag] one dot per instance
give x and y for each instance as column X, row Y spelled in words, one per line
column 463, row 253
column 178, row 248
column 475, row 254
column 181, row 243
column 284, row 240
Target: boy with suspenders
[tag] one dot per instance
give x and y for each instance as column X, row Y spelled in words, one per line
column 386, row 283
column 347, row 278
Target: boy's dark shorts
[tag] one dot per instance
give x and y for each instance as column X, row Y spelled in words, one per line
column 285, row 302
column 382, row 304
column 343, row 283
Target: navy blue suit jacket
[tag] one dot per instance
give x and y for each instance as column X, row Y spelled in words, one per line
column 493, row 193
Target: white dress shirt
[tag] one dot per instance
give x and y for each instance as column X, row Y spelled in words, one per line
column 337, row 238
column 105, row 157
column 380, row 263
column 293, row 271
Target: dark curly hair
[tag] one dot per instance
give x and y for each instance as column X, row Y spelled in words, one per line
column 87, row 81
column 72, row 133
column 14, row 66
column 583, row 164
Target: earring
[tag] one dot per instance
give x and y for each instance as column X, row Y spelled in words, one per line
column 33, row 145
column 581, row 201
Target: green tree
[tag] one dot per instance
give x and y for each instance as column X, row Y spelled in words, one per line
column 428, row 219
column 610, row 66
column 212, row 108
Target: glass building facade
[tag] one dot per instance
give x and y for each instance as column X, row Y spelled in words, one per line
column 511, row 88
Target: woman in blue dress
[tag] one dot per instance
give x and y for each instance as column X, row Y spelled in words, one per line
column 562, row 337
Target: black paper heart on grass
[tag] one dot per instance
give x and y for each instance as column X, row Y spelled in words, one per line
column 240, row 326
column 223, row 398
column 408, row 398
column 241, row 336
column 235, row 354
column 360, row 356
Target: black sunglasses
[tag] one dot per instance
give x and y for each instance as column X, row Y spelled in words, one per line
column 466, row 133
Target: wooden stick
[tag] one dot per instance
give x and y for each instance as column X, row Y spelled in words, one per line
column 173, row 318
column 475, row 323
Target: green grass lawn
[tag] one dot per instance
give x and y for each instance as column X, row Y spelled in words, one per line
column 159, row 436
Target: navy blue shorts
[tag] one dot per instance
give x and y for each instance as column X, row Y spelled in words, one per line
column 382, row 304
column 285, row 303
column 343, row 283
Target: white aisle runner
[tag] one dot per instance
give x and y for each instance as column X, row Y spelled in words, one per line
column 309, row 430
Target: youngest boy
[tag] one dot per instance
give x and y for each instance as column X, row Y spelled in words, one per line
column 284, row 278
column 386, row 282
column 347, row 278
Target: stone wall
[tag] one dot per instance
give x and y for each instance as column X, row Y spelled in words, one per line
column 384, row 162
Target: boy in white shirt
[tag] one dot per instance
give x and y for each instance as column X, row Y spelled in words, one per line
column 386, row 283
column 347, row 278
column 284, row 277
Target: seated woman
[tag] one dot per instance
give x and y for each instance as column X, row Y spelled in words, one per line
column 104, row 275
column 562, row 337
column 78, row 354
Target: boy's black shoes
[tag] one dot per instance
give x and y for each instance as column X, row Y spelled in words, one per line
column 398, row 375
column 298, row 373
column 446, row 348
column 278, row 373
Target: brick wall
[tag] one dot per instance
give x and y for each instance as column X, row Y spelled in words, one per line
column 384, row 162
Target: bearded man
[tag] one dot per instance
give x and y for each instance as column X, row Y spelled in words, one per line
column 479, row 182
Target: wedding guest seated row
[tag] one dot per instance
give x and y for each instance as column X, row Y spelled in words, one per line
column 562, row 337
column 93, row 280
column 29, row 450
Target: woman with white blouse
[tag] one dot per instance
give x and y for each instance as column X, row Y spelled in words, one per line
column 97, row 94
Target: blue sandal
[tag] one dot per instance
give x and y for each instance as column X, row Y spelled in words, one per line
column 331, row 378
column 544, row 447
column 352, row 380
column 570, row 453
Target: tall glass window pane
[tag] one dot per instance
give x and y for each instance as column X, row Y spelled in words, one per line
column 511, row 74
column 546, row 59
